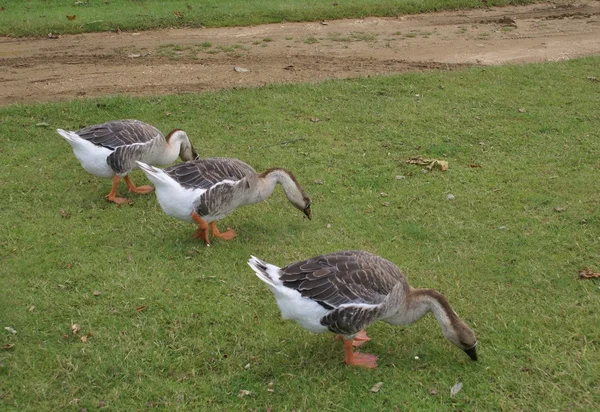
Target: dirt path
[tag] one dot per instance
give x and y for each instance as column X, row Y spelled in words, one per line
column 192, row 60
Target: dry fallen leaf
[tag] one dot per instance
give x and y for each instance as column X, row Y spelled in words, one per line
column 53, row 36
column 455, row 389
column 8, row 346
column 141, row 308
column 522, row 110
column 178, row 14
column 63, row 213
column 75, row 328
column 97, row 293
column 429, row 163
column 240, row 69
column 270, row 387
column 244, row 392
column 11, row 330
column 474, row 165
column 432, row 391
column 376, row 387
column 71, row 17
column 587, row 273
column 315, row 119
column 84, row 338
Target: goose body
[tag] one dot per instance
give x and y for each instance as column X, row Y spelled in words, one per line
column 110, row 150
column 346, row 291
column 207, row 190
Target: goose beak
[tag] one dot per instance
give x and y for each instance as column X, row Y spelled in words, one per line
column 472, row 352
column 307, row 212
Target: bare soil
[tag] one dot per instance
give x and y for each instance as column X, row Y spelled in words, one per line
column 194, row 60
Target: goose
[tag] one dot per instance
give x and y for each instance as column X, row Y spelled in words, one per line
column 110, row 150
column 206, row 190
column 346, row 291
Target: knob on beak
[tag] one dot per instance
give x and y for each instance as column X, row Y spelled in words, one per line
column 307, row 212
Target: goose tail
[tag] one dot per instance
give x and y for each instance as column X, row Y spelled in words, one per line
column 154, row 174
column 266, row 272
column 70, row 137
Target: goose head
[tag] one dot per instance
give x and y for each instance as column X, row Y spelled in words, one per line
column 298, row 197
column 459, row 334
column 186, row 150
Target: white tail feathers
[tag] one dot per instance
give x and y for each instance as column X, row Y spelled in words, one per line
column 69, row 136
column 154, row 174
column 265, row 271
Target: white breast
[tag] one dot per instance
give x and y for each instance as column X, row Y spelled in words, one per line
column 177, row 201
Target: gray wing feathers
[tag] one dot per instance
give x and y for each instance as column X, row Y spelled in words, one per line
column 122, row 159
column 342, row 278
column 118, row 133
column 349, row 320
column 205, row 173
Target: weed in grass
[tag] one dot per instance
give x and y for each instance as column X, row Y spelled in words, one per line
column 182, row 326
column 267, row 40
column 311, row 40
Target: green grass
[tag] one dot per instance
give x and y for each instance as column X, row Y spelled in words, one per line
column 40, row 17
column 506, row 251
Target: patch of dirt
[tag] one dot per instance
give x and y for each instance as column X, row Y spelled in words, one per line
column 193, row 60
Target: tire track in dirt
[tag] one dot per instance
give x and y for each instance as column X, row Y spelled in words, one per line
column 193, row 60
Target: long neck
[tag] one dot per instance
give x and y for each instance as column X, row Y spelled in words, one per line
column 166, row 150
column 423, row 301
column 269, row 179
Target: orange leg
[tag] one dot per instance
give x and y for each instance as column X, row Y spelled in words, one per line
column 112, row 196
column 202, row 231
column 360, row 338
column 139, row 189
column 365, row 360
column 227, row 235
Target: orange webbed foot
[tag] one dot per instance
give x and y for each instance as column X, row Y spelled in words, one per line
column 360, row 338
column 141, row 189
column 227, row 235
column 365, row 360
column 116, row 199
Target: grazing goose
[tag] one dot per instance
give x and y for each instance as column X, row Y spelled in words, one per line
column 111, row 149
column 344, row 292
column 206, row 190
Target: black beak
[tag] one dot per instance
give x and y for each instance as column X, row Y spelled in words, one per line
column 307, row 213
column 472, row 353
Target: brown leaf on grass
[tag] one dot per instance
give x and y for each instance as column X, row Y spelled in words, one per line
column 522, row 110
column 8, row 346
column 63, row 213
column 71, row 17
column 11, row 330
column 85, row 338
column 474, row 165
column 270, row 387
column 315, row 119
column 141, row 308
column 587, row 273
column 429, row 163
column 178, row 14
column 53, row 36
column 69, row 266
column 244, row 392
column 75, row 328
column 376, row 387
column 97, row 293
column 432, row 392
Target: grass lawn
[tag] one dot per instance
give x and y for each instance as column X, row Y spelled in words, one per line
column 40, row 17
column 175, row 324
